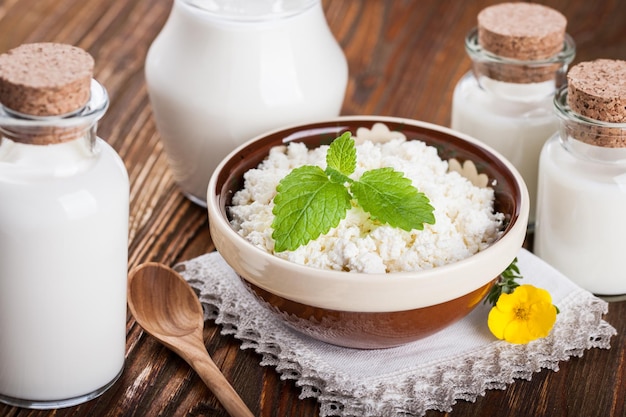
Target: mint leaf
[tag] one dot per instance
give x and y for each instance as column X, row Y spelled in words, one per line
column 391, row 198
column 310, row 201
column 341, row 155
column 307, row 205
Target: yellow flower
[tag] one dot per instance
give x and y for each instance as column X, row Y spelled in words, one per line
column 522, row 316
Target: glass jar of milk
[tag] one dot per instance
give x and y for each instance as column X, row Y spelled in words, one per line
column 581, row 216
column 63, row 233
column 223, row 71
column 520, row 54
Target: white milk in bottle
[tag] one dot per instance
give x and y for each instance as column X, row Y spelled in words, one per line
column 63, row 232
column 223, row 71
column 581, row 216
column 520, row 53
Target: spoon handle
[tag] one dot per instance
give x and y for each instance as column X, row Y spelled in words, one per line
column 200, row 360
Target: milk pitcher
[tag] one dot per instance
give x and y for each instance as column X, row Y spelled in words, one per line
column 223, row 71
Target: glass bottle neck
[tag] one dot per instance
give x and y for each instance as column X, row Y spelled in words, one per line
column 518, row 80
column 587, row 138
column 34, row 146
column 50, row 130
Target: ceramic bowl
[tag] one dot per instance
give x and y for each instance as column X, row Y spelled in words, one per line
column 362, row 310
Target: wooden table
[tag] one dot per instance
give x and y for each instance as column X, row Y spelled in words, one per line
column 405, row 58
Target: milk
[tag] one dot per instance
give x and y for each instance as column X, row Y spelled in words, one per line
column 63, row 268
column 579, row 221
column 218, row 76
column 514, row 119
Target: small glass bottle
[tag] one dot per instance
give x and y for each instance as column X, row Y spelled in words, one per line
column 520, row 54
column 581, row 223
column 223, row 71
column 63, row 232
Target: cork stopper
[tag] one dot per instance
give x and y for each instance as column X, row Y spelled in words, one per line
column 45, row 79
column 523, row 31
column 529, row 36
column 597, row 90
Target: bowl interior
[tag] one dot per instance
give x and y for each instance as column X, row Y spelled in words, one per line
column 507, row 191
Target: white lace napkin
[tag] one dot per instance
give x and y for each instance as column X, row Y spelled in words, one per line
column 459, row 363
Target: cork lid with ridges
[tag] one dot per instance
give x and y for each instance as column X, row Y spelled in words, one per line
column 597, row 90
column 45, row 79
column 522, row 31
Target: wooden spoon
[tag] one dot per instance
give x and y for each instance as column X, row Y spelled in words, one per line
column 164, row 304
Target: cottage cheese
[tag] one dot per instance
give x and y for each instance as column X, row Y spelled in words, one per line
column 465, row 219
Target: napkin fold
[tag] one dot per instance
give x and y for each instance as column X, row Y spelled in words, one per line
column 460, row 362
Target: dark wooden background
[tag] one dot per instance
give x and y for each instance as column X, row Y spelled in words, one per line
column 405, row 57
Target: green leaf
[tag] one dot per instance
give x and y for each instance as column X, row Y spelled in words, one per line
column 310, row 201
column 390, row 198
column 337, row 177
column 307, row 205
column 341, row 155
column 506, row 283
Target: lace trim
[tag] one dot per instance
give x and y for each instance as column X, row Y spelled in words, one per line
column 412, row 392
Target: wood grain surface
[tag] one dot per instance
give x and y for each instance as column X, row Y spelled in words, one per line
column 405, row 57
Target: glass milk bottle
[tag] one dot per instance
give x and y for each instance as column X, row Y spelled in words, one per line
column 520, row 54
column 63, row 232
column 223, row 71
column 581, row 223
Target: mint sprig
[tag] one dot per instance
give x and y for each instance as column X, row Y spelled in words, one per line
column 506, row 283
column 310, row 201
